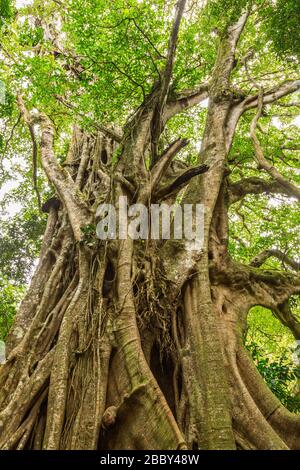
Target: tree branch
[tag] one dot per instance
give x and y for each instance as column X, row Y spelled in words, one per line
column 271, row 96
column 226, row 57
column 272, row 288
column 12, row 133
column 58, row 176
column 266, row 287
column 171, row 52
column 77, row 210
column 185, row 99
column 254, row 185
column 106, row 130
column 164, row 161
column 157, row 123
column 290, row 104
column 181, row 181
column 261, row 160
column 264, row 255
column 281, row 90
column 147, row 38
column 220, row 87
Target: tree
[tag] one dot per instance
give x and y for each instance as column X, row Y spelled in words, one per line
column 115, row 334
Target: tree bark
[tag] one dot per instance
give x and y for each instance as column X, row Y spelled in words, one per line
column 128, row 344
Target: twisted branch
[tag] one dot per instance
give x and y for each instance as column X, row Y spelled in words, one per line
column 266, row 254
column 260, row 158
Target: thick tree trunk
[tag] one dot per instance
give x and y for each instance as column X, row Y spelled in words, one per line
column 128, row 344
column 107, row 352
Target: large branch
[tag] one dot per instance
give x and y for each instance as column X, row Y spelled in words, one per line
column 167, row 75
column 260, row 259
column 226, row 57
column 272, row 288
column 271, row 96
column 180, row 181
column 157, row 123
column 269, row 288
column 68, row 192
column 254, row 185
column 280, row 91
column 221, row 76
column 185, row 99
column 262, row 161
column 159, row 169
column 60, row 178
column 220, row 87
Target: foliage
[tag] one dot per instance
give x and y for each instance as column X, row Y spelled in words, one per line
column 283, row 26
column 19, row 244
column 10, row 296
column 6, row 11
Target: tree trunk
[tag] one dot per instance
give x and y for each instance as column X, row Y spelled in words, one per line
column 106, row 341
column 126, row 344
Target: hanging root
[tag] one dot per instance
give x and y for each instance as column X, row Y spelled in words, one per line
column 154, row 311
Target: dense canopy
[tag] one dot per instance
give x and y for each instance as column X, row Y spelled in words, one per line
column 101, row 98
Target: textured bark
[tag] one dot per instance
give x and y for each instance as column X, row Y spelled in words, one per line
column 133, row 345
